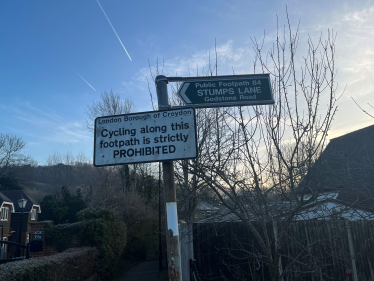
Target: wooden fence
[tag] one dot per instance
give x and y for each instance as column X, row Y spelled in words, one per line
column 311, row 250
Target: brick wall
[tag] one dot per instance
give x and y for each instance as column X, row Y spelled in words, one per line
column 47, row 250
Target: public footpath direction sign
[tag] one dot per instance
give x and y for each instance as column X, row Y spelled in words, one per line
column 221, row 91
column 145, row 137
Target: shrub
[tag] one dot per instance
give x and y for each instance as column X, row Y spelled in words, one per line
column 97, row 213
column 110, row 240
column 140, row 215
column 63, row 236
column 63, row 207
column 99, row 229
column 74, row 264
column 142, row 241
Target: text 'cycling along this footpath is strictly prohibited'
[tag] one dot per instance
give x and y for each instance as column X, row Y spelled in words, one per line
column 145, row 137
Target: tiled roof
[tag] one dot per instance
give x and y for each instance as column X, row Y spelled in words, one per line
column 361, row 197
column 346, row 166
column 4, row 198
column 15, row 195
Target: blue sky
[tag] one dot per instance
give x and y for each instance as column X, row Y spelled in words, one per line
column 47, row 47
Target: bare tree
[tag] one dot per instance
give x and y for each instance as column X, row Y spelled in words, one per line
column 110, row 104
column 13, row 162
column 363, row 110
column 11, row 152
column 251, row 155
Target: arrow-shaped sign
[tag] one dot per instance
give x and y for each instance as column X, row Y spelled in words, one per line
column 221, row 91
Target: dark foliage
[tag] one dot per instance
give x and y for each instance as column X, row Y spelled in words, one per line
column 73, row 264
column 142, row 237
column 96, row 228
column 9, row 182
column 62, row 208
column 94, row 214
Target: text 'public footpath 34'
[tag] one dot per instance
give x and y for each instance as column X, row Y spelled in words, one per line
column 145, row 137
column 233, row 90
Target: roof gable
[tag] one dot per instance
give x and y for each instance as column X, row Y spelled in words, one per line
column 3, row 198
column 15, row 195
column 346, row 166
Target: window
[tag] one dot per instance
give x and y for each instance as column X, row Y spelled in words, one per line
column 215, row 213
column 196, row 216
column 203, row 215
column 208, row 213
column 33, row 214
column 4, row 213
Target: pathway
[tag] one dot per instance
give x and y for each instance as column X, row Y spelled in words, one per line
column 145, row 271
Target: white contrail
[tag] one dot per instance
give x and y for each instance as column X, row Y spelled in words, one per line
column 113, row 29
column 85, row 81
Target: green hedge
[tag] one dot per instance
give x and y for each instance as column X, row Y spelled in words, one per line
column 75, row 264
column 64, row 236
column 98, row 228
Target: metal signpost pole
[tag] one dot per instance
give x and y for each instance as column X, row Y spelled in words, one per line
column 159, row 219
column 172, row 233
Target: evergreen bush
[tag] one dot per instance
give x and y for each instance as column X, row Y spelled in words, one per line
column 98, row 228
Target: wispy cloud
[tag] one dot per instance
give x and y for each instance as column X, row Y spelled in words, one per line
column 48, row 126
column 360, row 16
column 354, row 62
column 51, row 116
column 354, row 54
column 198, row 64
column 119, row 39
column 85, row 81
column 70, row 133
column 203, row 62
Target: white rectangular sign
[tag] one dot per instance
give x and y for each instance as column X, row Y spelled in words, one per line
column 145, row 137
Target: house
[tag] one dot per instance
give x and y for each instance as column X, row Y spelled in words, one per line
column 340, row 183
column 13, row 218
column 6, row 208
column 205, row 210
column 342, row 179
